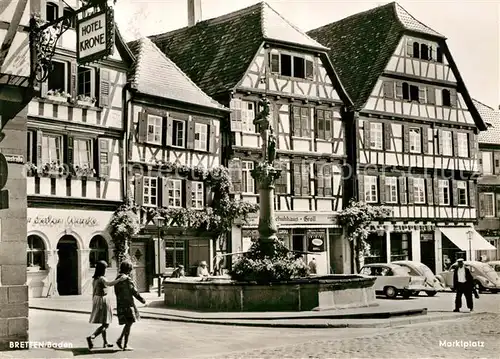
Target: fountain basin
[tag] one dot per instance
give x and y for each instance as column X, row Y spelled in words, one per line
column 221, row 294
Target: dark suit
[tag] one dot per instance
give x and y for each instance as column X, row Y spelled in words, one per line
column 466, row 289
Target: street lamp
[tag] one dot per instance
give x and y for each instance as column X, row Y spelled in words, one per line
column 159, row 221
column 470, row 233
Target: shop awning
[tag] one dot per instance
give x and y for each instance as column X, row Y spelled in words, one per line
column 458, row 235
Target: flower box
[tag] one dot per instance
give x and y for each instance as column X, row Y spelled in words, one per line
column 85, row 103
column 57, row 98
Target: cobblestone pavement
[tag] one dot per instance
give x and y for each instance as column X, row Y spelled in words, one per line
column 431, row 340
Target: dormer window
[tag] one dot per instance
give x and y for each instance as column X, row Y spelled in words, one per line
column 291, row 66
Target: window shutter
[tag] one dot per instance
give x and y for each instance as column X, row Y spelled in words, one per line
column 305, row 122
column 104, row 88
column 406, row 139
column 190, row 134
column 387, row 136
column 381, row 189
column 411, row 191
column 389, row 89
column 472, row 145
column 431, row 95
column 455, row 143
column 170, row 131
column 306, row 179
column 104, row 157
column 366, row 130
column 44, row 88
column 139, row 194
column 319, row 117
column 425, row 139
column 274, row 62
column 73, row 78
column 39, row 137
column 454, row 193
column 481, row 204
column 430, row 191
column 328, row 179
column 309, row 69
column 235, row 116
column 431, row 52
column 69, row 151
column 402, row 189
column 409, row 48
column 208, row 195
column 163, row 182
column 361, row 188
column 297, row 179
column 399, row 90
column 296, row 120
column 453, row 98
column 142, row 132
column 436, row 191
column 328, row 125
column 320, row 179
column 212, row 139
column 421, row 94
column 472, row 194
column 440, row 142
column 189, row 194
column 496, row 162
column 234, row 167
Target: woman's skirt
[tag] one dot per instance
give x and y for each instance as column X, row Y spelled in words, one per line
column 127, row 315
column 102, row 311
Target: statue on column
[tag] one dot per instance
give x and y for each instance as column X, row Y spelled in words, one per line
column 266, row 131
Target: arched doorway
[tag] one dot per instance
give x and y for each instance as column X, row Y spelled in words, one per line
column 98, row 251
column 67, row 266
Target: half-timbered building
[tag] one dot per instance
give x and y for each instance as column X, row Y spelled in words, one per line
column 74, row 163
column 172, row 124
column 240, row 57
column 414, row 135
column 16, row 90
column 489, row 182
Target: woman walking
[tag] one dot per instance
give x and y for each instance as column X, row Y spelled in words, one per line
column 125, row 306
column 102, row 312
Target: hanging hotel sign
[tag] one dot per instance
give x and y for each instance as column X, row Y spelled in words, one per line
column 95, row 36
column 316, row 240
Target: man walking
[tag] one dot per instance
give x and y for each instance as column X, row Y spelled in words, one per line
column 463, row 283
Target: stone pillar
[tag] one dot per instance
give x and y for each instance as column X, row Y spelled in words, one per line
column 83, row 269
column 50, row 282
column 388, row 245
column 438, row 248
column 13, row 230
column 415, row 246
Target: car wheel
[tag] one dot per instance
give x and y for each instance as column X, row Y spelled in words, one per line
column 430, row 293
column 478, row 286
column 390, row 292
column 406, row 294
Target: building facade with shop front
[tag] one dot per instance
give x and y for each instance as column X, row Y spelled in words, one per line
column 74, row 163
column 173, row 125
column 414, row 137
column 489, row 182
column 265, row 56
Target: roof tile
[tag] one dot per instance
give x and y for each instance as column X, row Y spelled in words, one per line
column 492, row 119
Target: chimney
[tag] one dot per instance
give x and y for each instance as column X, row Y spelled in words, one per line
column 194, row 12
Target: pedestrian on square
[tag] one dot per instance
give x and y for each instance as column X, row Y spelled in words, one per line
column 463, row 283
column 312, row 266
column 102, row 311
column 125, row 306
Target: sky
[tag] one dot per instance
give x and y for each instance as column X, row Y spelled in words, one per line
column 472, row 27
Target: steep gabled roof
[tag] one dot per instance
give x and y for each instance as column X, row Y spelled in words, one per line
column 492, row 119
column 156, row 75
column 361, row 45
column 216, row 53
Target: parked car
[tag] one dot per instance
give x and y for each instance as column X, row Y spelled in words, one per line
column 393, row 280
column 420, row 269
column 485, row 277
column 495, row 265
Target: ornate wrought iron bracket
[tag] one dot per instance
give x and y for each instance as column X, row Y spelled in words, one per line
column 45, row 36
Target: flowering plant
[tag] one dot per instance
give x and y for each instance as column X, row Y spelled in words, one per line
column 52, row 168
column 124, row 224
column 84, row 171
column 87, row 99
column 58, row 93
column 31, row 169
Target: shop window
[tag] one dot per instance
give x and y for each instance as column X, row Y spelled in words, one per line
column 175, row 253
column 98, row 251
column 400, row 246
column 35, row 253
column 86, row 82
column 378, row 250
